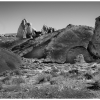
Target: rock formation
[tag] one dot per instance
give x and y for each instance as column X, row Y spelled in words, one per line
column 74, row 37
column 46, row 29
column 80, row 59
column 57, row 46
column 8, row 60
column 29, row 30
column 62, row 45
column 94, row 45
column 25, row 30
column 21, row 33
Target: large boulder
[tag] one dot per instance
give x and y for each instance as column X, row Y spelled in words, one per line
column 9, row 60
column 73, row 36
column 94, row 45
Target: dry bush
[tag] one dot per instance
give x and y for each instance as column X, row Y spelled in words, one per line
column 43, row 78
column 52, row 92
column 17, row 80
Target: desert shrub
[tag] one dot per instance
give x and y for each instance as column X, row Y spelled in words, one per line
column 19, row 95
column 94, row 86
column 13, row 88
column 17, row 80
column 76, row 94
column 88, row 76
column 54, row 72
column 57, row 80
column 6, row 80
column 46, row 92
column 52, row 92
column 43, row 78
column 73, row 71
column 1, row 87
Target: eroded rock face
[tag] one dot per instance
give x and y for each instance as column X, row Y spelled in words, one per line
column 59, row 48
column 94, row 45
column 8, row 60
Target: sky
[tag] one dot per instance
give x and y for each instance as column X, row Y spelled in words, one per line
column 53, row 14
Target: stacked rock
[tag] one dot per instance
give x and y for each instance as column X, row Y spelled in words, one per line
column 25, row 30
